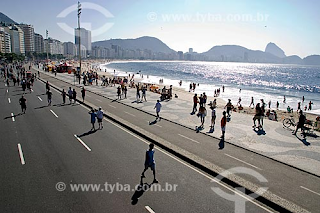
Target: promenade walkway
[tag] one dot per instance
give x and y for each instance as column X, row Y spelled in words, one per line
column 275, row 141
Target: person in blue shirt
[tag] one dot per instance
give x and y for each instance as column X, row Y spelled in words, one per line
column 150, row 162
column 93, row 119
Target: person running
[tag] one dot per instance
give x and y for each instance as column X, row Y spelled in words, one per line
column 150, row 162
column 252, row 102
column 74, row 95
column 300, row 124
column 49, row 97
column 223, row 124
column 158, row 108
column 100, row 117
column 70, row 94
column 63, row 93
column 195, row 103
column 23, row 104
column 83, row 93
column 213, row 116
column 93, row 119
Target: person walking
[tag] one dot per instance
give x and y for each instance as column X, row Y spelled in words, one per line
column 223, row 124
column 252, row 102
column 23, row 104
column 229, row 107
column 83, row 93
column 310, row 106
column 47, row 86
column 70, row 94
column 100, row 117
column 195, row 103
column 138, row 93
column 119, row 92
column 202, row 114
column 49, row 97
column 63, row 93
column 144, row 91
column 150, row 162
column 213, row 116
column 158, row 108
column 93, row 116
column 125, row 90
column 74, row 96
column 257, row 116
column 300, row 124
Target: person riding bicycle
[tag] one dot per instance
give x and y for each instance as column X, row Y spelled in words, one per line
column 300, row 124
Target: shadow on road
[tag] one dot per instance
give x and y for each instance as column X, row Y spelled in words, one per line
column 140, row 190
column 259, row 131
column 87, row 133
column 14, row 116
column 41, row 107
column 221, row 144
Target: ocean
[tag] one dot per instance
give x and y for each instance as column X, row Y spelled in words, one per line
column 261, row 81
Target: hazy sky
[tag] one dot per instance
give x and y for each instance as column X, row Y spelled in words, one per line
column 294, row 25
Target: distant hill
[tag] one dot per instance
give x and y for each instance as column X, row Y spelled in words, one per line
column 5, row 19
column 240, row 54
column 275, row 50
column 312, row 60
column 293, row 59
column 146, row 42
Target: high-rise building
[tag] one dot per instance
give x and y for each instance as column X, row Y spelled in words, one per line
column 69, row 49
column 190, row 50
column 85, row 40
column 38, row 43
column 53, row 46
column 5, row 40
column 21, row 40
column 28, row 31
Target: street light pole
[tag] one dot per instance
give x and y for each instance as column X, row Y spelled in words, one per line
column 79, row 12
column 47, row 33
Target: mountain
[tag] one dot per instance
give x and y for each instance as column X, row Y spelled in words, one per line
column 312, row 60
column 275, row 50
column 293, row 59
column 142, row 43
column 240, row 54
column 5, row 19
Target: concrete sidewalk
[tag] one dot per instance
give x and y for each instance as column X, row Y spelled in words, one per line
column 275, row 141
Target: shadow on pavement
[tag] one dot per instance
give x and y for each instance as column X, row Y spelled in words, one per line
column 41, row 107
column 259, row 131
column 221, row 144
column 153, row 122
column 211, row 130
column 13, row 116
column 87, row 133
column 140, row 190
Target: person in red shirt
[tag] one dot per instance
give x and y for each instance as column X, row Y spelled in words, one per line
column 223, row 124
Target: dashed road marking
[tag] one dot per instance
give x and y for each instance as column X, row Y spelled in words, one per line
column 9, row 100
column 12, row 116
column 21, row 154
column 149, row 209
column 53, row 113
column 83, row 143
column 129, row 113
column 243, row 161
column 39, row 98
column 310, row 190
column 112, row 106
column 188, row 138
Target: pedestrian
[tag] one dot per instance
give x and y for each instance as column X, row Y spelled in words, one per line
column 229, row 107
column 278, row 104
column 47, row 86
column 252, row 102
column 239, row 102
column 63, row 93
column 190, row 87
column 138, row 93
column 299, row 107
column 125, row 90
column 83, row 93
column 310, row 106
column 195, row 103
column 223, row 124
column 204, row 96
column 100, row 117
column 23, row 104
column 300, row 124
column 150, row 162
column 201, row 100
column 49, row 97
column 257, row 116
column 93, row 116
column 158, row 108
column 302, row 98
column 119, row 92
column 213, row 116
column 74, row 95
column 70, row 94
column 202, row 113
column 269, row 104
column 144, row 90
column 284, row 99
column 8, row 82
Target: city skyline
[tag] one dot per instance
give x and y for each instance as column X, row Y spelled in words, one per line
column 184, row 24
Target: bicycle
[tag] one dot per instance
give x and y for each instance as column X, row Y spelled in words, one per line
column 288, row 122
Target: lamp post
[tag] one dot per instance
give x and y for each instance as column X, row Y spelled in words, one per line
column 79, row 12
column 47, row 33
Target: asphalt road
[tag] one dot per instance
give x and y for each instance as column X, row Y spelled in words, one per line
column 39, row 149
column 294, row 185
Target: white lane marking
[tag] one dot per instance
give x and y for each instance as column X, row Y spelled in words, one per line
column 21, row 154
column 5, row 85
column 188, row 138
column 85, row 145
column 158, row 125
column 112, row 106
column 39, row 98
column 7, row 91
column 12, row 116
column 149, row 209
column 98, row 100
column 243, row 161
column 129, row 113
column 9, row 100
column 310, row 190
column 53, row 113
column 31, row 90
column 194, row 169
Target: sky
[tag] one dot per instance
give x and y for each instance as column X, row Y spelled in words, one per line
column 294, row 25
